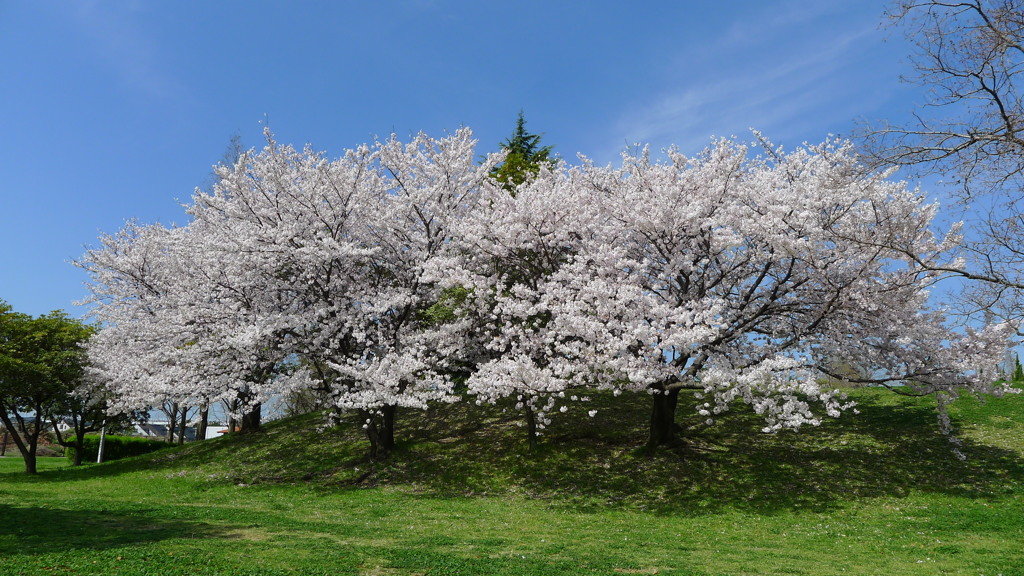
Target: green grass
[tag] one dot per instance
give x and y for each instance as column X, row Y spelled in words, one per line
column 876, row 493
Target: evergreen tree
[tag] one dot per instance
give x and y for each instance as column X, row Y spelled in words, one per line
column 525, row 156
column 1018, row 371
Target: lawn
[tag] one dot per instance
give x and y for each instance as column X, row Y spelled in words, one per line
column 876, row 493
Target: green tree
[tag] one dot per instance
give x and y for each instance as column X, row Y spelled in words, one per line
column 524, row 157
column 41, row 365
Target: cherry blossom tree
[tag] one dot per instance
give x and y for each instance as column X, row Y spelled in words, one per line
column 517, row 255
column 734, row 275
column 389, row 352
column 175, row 330
column 296, row 271
column 376, row 277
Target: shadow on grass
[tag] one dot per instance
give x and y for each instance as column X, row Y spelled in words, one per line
column 886, row 450
column 31, row 529
column 294, row 451
column 892, row 448
column 166, row 458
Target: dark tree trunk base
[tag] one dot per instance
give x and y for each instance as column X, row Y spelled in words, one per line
column 24, row 438
column 204, row 424
column 380, row 431
column 79, row 448
column 251, row 420
column 531, row 428
column 663, row 429
column 387, row 434
column 182, row 425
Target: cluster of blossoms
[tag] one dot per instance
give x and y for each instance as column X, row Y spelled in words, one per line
column 387, row 276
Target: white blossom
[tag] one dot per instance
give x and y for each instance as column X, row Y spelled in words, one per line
column 381, row 274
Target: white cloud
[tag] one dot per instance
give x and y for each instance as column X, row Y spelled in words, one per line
column 785, row 75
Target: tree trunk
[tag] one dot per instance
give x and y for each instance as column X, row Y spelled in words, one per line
column 172, row 422
column 204, row 423
column 531, row 427
column 78, row 446
column 30, row 461
column 372, row 432
column 387, row 436
column 251, row 419
column 663, row 418
column 182, row 425
column 26, row 440
column 28, row 449
column 232, row 418
column 3, row 448
column 380, row 431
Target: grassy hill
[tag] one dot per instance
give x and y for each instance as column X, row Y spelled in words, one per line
column 874, row 493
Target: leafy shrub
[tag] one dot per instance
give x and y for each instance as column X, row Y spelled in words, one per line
column 116, row 447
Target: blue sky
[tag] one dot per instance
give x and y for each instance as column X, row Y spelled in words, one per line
column 113, row 110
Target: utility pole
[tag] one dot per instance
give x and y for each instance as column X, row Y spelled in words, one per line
column 103, row 439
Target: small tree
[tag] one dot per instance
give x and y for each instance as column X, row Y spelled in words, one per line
column 84, row 410
column 41, row 366
column 524, row 157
